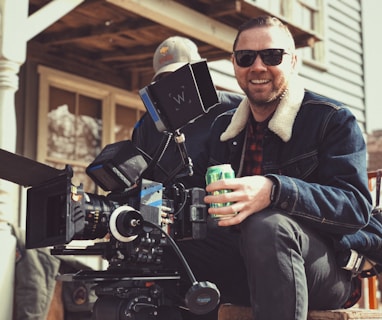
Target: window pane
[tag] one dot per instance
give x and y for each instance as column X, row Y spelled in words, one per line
column 61, row 135
column 74, row 128
column 274, row 6
column 307, row 53
column 125, row 119
column 304, row 14
column 80, row 176
column 88, row 129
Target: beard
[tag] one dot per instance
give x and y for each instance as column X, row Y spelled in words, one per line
column 268, row 101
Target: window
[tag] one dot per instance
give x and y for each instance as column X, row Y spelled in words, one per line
column 78, row 117
column 309, row 14
column 125, row 118
column 305, row 18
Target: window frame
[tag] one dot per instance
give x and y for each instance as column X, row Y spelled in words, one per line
column 109, row 96
column 286, row 11
column 320, row 49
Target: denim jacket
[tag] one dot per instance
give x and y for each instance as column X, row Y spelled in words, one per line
column 315, row 152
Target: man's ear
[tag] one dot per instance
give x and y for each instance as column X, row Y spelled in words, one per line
column 296, row 62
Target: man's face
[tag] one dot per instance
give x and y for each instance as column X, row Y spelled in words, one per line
column 264, row 84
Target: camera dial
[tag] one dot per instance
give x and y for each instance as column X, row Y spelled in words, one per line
column 125, row 223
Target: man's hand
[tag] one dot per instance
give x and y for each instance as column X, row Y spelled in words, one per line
column 249, row 195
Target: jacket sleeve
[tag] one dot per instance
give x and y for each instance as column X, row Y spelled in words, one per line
column 35, row 280
column 335, row 198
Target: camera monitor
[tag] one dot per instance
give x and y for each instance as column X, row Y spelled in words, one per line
column 180, row 97
column 118, row 166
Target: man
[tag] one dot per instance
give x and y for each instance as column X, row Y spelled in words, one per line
column 301, row 180
column 210, row 259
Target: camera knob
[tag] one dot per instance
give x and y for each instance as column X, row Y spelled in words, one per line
column 125, row 223
column 202, row 297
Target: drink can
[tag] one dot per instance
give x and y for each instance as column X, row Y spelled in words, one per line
column 215, row 173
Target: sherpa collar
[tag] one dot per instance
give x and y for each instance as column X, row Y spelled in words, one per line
column 282, row 120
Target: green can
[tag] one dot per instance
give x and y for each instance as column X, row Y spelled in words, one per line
column 215, row 173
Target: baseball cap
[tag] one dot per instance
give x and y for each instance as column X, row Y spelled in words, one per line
column 173, row 53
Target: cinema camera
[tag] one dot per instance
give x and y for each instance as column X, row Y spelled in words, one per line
column 138, row 219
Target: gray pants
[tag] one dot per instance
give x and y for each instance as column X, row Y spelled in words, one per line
column 283, row 269
column 290, row 268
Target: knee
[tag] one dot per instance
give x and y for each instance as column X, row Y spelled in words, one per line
column 269, row 226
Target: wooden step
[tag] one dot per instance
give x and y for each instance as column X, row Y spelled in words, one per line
column 345, row 314
column 234, row 312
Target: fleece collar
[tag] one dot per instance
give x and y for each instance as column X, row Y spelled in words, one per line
column 282, row 120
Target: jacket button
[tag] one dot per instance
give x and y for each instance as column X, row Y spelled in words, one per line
column 284, row 205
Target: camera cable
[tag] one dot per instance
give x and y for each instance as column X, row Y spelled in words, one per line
column 202, row 297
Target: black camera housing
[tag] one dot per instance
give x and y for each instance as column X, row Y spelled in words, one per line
column 182, row 96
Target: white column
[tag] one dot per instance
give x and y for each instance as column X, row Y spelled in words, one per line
column 8, row 191
column 13, row 17
column 8, row 131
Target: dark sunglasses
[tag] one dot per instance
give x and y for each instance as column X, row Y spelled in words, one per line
column 270, row 57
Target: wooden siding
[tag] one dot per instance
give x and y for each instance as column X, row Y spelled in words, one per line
column 342, row 75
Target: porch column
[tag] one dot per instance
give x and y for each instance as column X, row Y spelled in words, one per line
column 8, row 132
column 8, row 191
column 13, row 17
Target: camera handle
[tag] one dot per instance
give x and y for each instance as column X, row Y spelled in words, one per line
column 180, row 141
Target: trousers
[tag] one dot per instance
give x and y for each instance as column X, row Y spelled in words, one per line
column 216, row 259
column 272, row 262
column 291, row 268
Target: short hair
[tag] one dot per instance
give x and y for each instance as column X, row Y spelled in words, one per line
column 264, row 21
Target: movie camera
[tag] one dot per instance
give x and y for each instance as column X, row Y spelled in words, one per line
column 138, row 220
column 134, row 229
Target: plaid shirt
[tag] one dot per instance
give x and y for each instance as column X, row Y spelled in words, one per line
column 254, row 147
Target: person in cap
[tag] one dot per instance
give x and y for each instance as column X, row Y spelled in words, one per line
column 170, row 55
column 213, row 258
column 173, row 53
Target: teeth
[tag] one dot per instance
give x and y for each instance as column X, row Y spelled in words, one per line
column 259, row 81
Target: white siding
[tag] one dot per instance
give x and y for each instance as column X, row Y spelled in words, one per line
column 342, row 75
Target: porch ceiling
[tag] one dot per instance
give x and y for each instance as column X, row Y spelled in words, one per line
column 119, row 36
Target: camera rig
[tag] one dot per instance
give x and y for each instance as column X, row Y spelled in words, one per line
column 137, row 221
column 136, row 225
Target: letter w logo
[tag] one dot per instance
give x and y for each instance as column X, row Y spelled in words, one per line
column 179, row 98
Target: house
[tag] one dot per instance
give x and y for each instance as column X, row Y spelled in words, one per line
column 70, row 70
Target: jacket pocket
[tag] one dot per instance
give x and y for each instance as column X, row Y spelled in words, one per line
column 301, row 166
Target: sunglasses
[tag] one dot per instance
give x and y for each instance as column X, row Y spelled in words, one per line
column 270, row 57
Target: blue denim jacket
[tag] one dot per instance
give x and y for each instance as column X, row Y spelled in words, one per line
column 320, row 170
